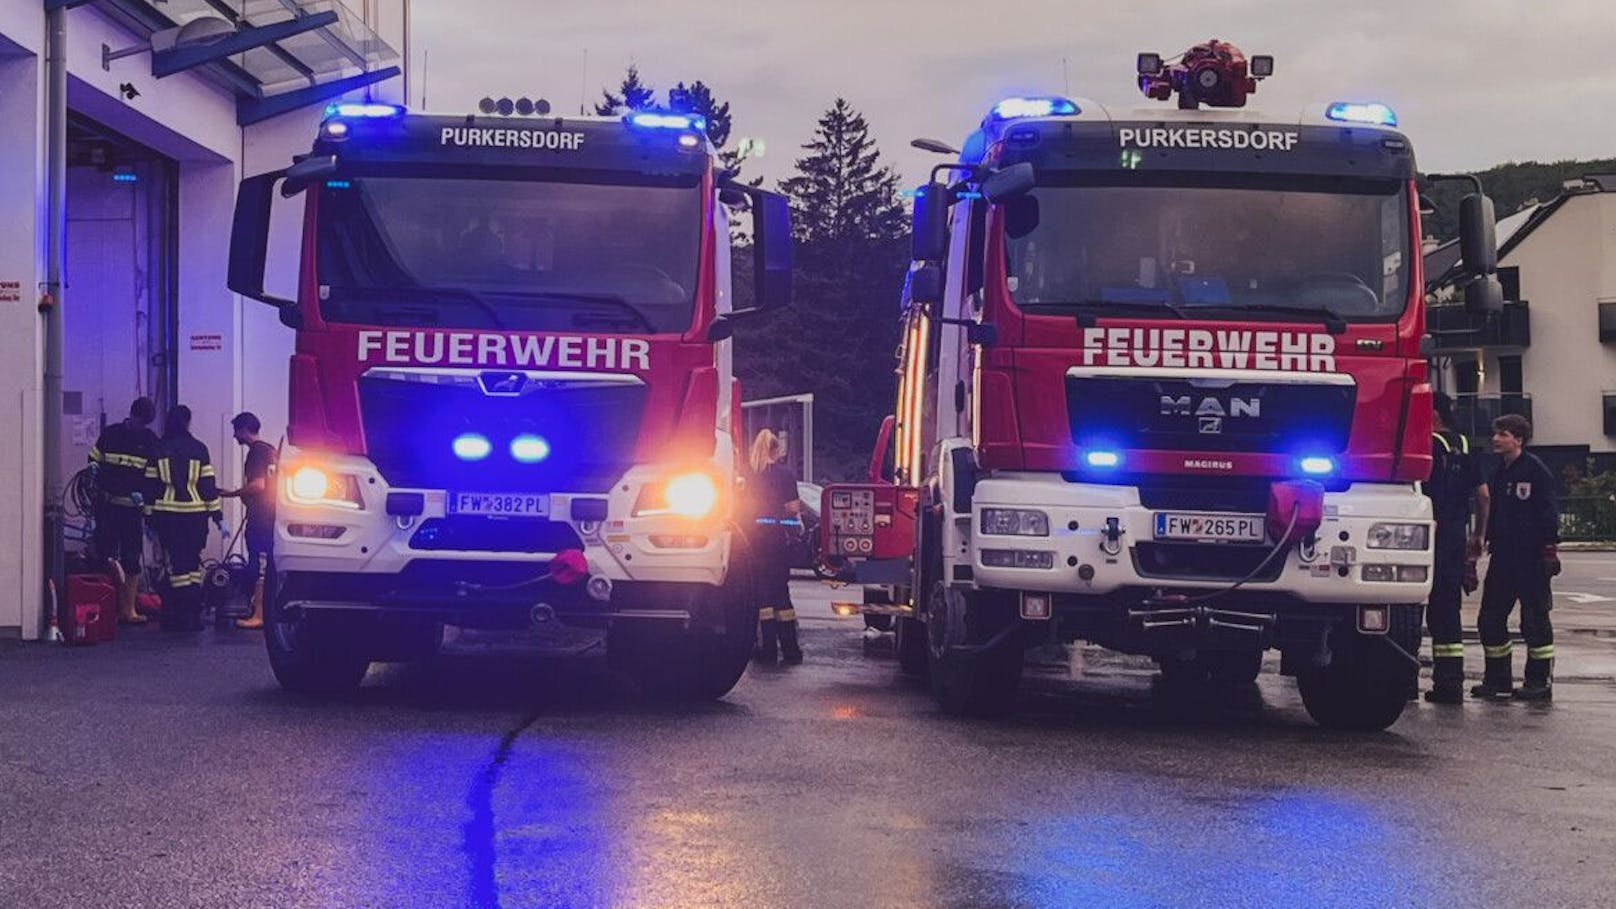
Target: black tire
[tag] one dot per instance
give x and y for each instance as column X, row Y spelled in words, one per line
column 1364, row 689
column 914, row 656
column 313, row 654
column 674, row 664
column 977, row 682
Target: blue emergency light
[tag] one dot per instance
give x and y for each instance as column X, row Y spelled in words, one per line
column 364, row 111
column 529, row 449
column 1373, row 113
column 125, row 178
column 649, row 119
column 1318, row 466
column 1017, row 108
column 1103, row 460
column 471, row 446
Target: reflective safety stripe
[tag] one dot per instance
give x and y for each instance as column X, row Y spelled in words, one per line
column 207, row 470
column 190, row 579
column 786, row 615
column 193, row 475
column 95, row 454
column 133, row 462
column 1541, row 653
column 1443, row 439
column 1447, row 650
column 1501, row 650
column 172, row 506
column 766, row 613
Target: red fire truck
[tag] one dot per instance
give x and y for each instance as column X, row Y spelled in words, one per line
column 1162, row 388
column 511, row 403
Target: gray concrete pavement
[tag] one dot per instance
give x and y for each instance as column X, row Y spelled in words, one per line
column 155, row 772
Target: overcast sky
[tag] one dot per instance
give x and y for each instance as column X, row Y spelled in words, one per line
column 1475, row 82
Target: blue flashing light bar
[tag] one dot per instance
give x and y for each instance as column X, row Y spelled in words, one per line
column 530, row 449
column 1318, row 466
column 1373, row 113
column 338, row 184
column 364, row 111
column 125, row 178
column 650, row 119
column 336, row 129
column 1017, row 108
column 1103, row 460
column 472, row 447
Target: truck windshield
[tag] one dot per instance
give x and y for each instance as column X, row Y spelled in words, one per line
column 1267, row 248
column 508, row 254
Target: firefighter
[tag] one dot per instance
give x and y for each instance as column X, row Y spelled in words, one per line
column 1522, row 537
column 119, row 459
column 776, row 509
column 182, row 496
column 1455, row 478
column 257, row 495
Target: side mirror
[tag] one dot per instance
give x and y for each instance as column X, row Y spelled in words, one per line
column 249, row 240
column 1484, row 296
column 929, row 237
column 771, row 248
column 1478, row 240
column 1427, row 206
column 732, row 197
column 307, row 172
column 1013, row 182
column 883, row 444
column 926, row 284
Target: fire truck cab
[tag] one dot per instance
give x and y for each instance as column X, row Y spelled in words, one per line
column 511, row 401
column 1162, row 388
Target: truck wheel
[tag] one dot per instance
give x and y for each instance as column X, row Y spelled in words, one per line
column 678, row 664
column 1364, row 689
column 914, row 656
column 973, row 682
column 312, row 654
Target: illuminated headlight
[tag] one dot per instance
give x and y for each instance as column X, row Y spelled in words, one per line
column 1402, row 574
column 310, row 485
column 685, row 495
column 1017, row 558
column 1015, row 522
column 1400, row 536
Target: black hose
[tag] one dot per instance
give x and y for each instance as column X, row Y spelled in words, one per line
column 1283, row 544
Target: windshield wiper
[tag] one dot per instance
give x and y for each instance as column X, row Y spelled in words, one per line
column 1089, row 319
column 1333, row 323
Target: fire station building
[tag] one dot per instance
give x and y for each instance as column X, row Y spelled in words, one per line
column 168, row 104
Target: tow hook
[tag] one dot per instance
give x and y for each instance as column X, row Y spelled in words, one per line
column 1111, row 536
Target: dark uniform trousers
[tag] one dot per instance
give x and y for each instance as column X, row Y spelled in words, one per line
column 1443, row 609
column 120, row 534
column 183, row 536
column 777, row 618
column 1512, row 577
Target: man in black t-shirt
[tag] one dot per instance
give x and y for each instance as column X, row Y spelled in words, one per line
column 1454, row 481
column 1522, row 536
column 257, row 494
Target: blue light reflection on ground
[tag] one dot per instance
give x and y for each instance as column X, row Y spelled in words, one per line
column 1297, row 848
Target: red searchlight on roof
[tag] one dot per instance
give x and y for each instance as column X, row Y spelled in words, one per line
column 1215, row 73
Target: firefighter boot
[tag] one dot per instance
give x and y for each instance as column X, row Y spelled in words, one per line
column 1497, row 680
column 790, row 650
column 1539, row 682
column 254, row 622
column 768, row 649
column 128, row 595
column 1447, row 674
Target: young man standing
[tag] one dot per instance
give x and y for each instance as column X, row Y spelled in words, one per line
column 257, row 494
column 120, row 457
column 1455, row 480
column 1522, row 537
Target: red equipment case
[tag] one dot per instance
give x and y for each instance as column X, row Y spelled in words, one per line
column 91, row 613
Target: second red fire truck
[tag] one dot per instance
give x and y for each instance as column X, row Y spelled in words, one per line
column 1162, row 388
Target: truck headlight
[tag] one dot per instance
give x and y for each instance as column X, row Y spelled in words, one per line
column 686, row 495
column 308, row 484
column 1399, row 536
column 1015, row 522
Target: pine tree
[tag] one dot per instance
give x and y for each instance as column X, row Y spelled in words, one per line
column 839, row 339
column 697, row 98
column 631, row 95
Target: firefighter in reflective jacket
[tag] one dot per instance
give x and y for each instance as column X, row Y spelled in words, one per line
column 183, row 497
column 1522, row 537
column 119, row 458
column 1455, row 479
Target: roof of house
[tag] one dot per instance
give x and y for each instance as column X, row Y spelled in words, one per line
column 1511, row 231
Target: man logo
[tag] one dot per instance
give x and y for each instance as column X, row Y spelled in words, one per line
column 1211, row 426
column 1210, row 412
column 502, row 384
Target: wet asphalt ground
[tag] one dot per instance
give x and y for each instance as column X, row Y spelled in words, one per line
column 155, row 772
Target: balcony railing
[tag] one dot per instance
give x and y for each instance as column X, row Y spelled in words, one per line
column 1475, row 414
column 1453, row 328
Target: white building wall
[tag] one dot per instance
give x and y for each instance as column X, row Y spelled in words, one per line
column 193, row 121
column 1566, row 266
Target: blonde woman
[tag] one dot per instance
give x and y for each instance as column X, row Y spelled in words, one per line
column 773, row 491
